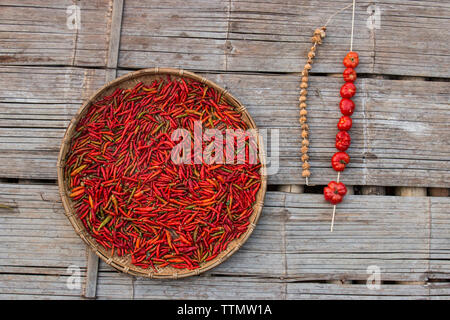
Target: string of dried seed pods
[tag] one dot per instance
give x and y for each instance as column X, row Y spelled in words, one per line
column 319, row 34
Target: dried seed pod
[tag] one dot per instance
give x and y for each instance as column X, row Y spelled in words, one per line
column 306, row 173
column 305, row 134
column 316, row 39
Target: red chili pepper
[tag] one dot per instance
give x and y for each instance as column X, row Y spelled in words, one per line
column 340, row 160
column 334, row 192
column 349, row 75
column 345, row 123
column 134, row 200
column 342, row 140
column 347, row 107
column 348, row 90
column 77, row 193
column 351, row 60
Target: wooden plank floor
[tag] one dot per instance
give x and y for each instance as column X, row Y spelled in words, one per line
column 256, row 50
column 39, row 243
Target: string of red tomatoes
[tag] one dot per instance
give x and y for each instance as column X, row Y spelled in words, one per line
column 335, row 191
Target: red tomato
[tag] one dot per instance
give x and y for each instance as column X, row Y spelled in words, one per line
column 347, row 107
column 345, row 123
column 342, row 140
column 348, row 90
column 349, row 75
column 351, row 60
column 339, row 161
column 334, row 192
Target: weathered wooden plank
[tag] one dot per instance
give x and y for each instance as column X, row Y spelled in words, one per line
column 16, row 286
column 46, row 89
column 36, row 232
column 236, row 36
column 440, row 241
column 440, row 291
column 356, row 291
column 116, row 286
column 46, row 104
column 407, row 238
column 291, row 239
column 368, row 231
column 275, row 37
column 42, row 33
column 395, row 140
column 19, row 296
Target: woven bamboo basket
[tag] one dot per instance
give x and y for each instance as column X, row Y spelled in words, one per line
column 124, row 264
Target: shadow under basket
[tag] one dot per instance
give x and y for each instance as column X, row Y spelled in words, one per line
column 123, row 263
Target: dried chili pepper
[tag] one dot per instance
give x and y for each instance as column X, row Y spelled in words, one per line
column 344, row 123
column 348, row 90
column 130, row 195
column 343, row 140
column 351, row 60
column 340, row 160
column 334, row 192
column 347, row 107
column 349, row 75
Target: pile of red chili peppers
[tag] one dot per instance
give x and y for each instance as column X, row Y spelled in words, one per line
column 134, row 200
column 335, row 191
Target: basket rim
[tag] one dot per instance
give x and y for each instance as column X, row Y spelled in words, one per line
column 120, row 263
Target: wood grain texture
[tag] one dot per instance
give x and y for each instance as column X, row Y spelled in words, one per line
column 357, row 292
column 395, row 140
column 290, row 250
column 38, row 33
column 254, row 49
column 275, row 36
column 229, row 35
column 36, row 232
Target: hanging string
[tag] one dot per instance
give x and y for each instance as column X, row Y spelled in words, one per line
column 336, row 13
column 351, row 49
column 334, row 207
column 353, row 25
